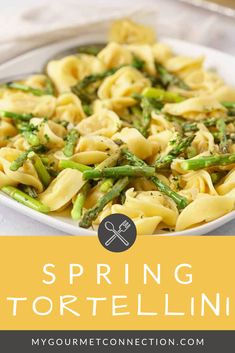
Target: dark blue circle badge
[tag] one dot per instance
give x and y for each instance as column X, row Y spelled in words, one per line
column 117, row 232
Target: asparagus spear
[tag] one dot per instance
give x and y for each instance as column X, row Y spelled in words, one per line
column 217, row 176
column 188, row 127
column 191, row 152
column 50, row 89
column 87, row 108
column 229, row 105
column 31, row 138
column 110, row 161
column 106, row 185
column 25, row 199
column 162, row 95
column 63, row 164
column 19, row 161
column 169, row 79
column 84, row 96
column 143, row 124
column 71, row 141
column 138, row 63
column 90, row 49
column 76, row 212
column 116, row 172
column 92, row 213
column 29, row 190
column 16, row 116
column 86, row 81
column 25, row 88
column 180, row 201
column 205, row 162
column 40, row 168
column 176, row 151
column 223, row 145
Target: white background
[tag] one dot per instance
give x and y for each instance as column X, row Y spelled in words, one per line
column 175, row 20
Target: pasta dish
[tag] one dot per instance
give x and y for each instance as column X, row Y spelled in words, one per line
column 128, row 127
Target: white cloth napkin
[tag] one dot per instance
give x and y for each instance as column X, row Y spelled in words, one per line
column 27, row 27
column 54, row 20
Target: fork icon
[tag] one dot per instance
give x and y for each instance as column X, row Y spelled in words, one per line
column 116, row 233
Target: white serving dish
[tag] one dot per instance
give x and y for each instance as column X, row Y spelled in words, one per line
column 35, row 60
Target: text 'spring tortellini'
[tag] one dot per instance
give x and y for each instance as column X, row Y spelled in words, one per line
column 128, row 126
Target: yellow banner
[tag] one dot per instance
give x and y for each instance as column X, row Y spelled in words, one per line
column 73, row 283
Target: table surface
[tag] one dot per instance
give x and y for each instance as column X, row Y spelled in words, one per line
column 171, row 15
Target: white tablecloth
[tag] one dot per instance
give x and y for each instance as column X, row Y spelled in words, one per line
column 174, row 19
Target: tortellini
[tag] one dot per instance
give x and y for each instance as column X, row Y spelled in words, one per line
column 37, row 81
column 197, row 108
column 183, row 65
column 114, row 55
column 69, row 108
column 123, row 83
column 204, row 208
column 105, row 123
column 6, row 130
column 147, row 209
column 66, row 72
column 227, row 184
column 197, row 182
column 128, row 32
column 94, row 149
column 19, row 102
column 50, row 133
column 136, row 142
column 62, row 189
column 161, row 52
column 145, row 53
column 26, row 175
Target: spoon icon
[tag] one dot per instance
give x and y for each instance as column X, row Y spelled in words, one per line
column 116, row 234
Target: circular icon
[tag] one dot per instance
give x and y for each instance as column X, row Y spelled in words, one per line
column 117, row 232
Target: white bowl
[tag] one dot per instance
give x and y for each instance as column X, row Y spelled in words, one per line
column 34, row 61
